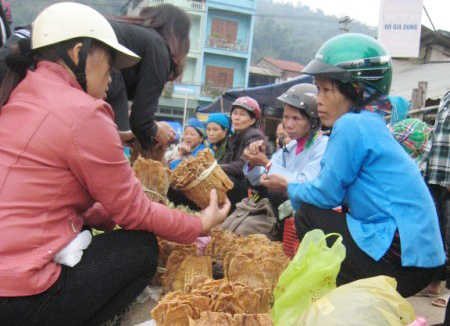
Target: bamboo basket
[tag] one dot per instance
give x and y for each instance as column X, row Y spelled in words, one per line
column 154, row 177
column 197, row 176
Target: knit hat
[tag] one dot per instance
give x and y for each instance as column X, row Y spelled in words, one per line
column 197, row 125
column 221, row 119
column 413, row 134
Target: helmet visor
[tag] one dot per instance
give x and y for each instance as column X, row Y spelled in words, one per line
column 317, row 67
column 124, row 57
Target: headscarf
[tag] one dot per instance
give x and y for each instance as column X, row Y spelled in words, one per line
column 400, row 108
column 380, row 104
column 413, row 134
column 197, row 125
column 220, row 119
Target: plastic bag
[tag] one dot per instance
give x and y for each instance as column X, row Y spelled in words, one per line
column 310, row 275
column 369, row 302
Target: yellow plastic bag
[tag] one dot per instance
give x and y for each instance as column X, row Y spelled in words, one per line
column 310, row 275
column 369, row 302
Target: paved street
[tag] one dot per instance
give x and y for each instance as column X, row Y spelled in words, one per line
column 140, row 312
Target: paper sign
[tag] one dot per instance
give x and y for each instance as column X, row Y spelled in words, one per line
column 399, row 27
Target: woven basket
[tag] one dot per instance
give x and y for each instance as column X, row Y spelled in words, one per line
column 204, row 179
column 154, row 177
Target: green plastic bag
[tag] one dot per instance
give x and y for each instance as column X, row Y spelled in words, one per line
column 310, row 275
column 369, row 302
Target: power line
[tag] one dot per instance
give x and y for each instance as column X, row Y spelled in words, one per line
column 425, row 9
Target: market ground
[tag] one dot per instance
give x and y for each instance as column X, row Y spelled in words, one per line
column 140, row 312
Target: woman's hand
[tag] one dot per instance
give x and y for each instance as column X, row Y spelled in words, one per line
column 165, row 134
column 256, row 147
column 258, row 159
column 184, row 148
column 126, row 137
column 274, row 182
column 213, row 214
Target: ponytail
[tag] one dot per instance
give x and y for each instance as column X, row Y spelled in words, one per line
column 18, row 63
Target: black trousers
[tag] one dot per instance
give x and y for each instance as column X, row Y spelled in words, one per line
column 357, row 264
column 442, row 201
column 113, row 271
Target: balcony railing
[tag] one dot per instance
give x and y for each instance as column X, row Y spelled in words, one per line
column 213, row 91
column 214, row 42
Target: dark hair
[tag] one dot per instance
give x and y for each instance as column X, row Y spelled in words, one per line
column 173, row 24
column 17, row 63
column 347, row 89
column 357, row 96
column 23, row 58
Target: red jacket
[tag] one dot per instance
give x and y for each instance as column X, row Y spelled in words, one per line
column 60, row 153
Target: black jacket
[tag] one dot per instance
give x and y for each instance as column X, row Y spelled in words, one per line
column 10, row 45
column 233, row 162
column 142, row 83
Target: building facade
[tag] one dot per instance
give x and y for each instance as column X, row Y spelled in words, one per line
column 219, row 57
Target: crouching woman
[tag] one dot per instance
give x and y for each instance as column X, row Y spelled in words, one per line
column 390, row 226
column 62, row 167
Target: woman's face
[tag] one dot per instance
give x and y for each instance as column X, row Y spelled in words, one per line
column 241, row 119
column 331, row 103
column 192, row 137
column 295, row 124
column 98, row 67
column 215, row 132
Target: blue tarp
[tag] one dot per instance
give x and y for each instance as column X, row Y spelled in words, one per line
column 265, row 95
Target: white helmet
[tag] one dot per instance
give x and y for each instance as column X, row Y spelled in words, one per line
column 69, row 20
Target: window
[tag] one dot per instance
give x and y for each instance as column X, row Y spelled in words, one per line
column 219, row 76
column 224, row 29
column 166, row 111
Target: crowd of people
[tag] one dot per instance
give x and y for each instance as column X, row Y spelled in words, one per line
column 68, row 85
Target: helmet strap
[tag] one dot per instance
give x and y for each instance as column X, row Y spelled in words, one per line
column 80, row 70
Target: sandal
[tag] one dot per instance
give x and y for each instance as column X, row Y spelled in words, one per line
column 441, row 301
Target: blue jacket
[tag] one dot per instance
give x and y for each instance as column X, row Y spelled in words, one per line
column 364, row 167
column 197, row 149
column 295, row 168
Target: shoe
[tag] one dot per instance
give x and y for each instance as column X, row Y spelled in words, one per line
column 441, row 301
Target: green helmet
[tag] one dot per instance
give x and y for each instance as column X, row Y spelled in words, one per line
column 353, row 57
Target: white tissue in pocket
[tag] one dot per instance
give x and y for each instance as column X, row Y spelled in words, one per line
column 71, row 254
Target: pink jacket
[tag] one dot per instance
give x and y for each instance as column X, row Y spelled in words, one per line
column 60, row 153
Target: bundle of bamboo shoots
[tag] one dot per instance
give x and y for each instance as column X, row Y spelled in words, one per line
column 197, row 175
column 154, row 177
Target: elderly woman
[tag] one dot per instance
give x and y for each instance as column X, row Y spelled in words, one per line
column 245, row 117
column 193, row 137
column 390, row 226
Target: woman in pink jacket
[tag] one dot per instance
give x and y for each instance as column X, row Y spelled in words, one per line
column 62, row 167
